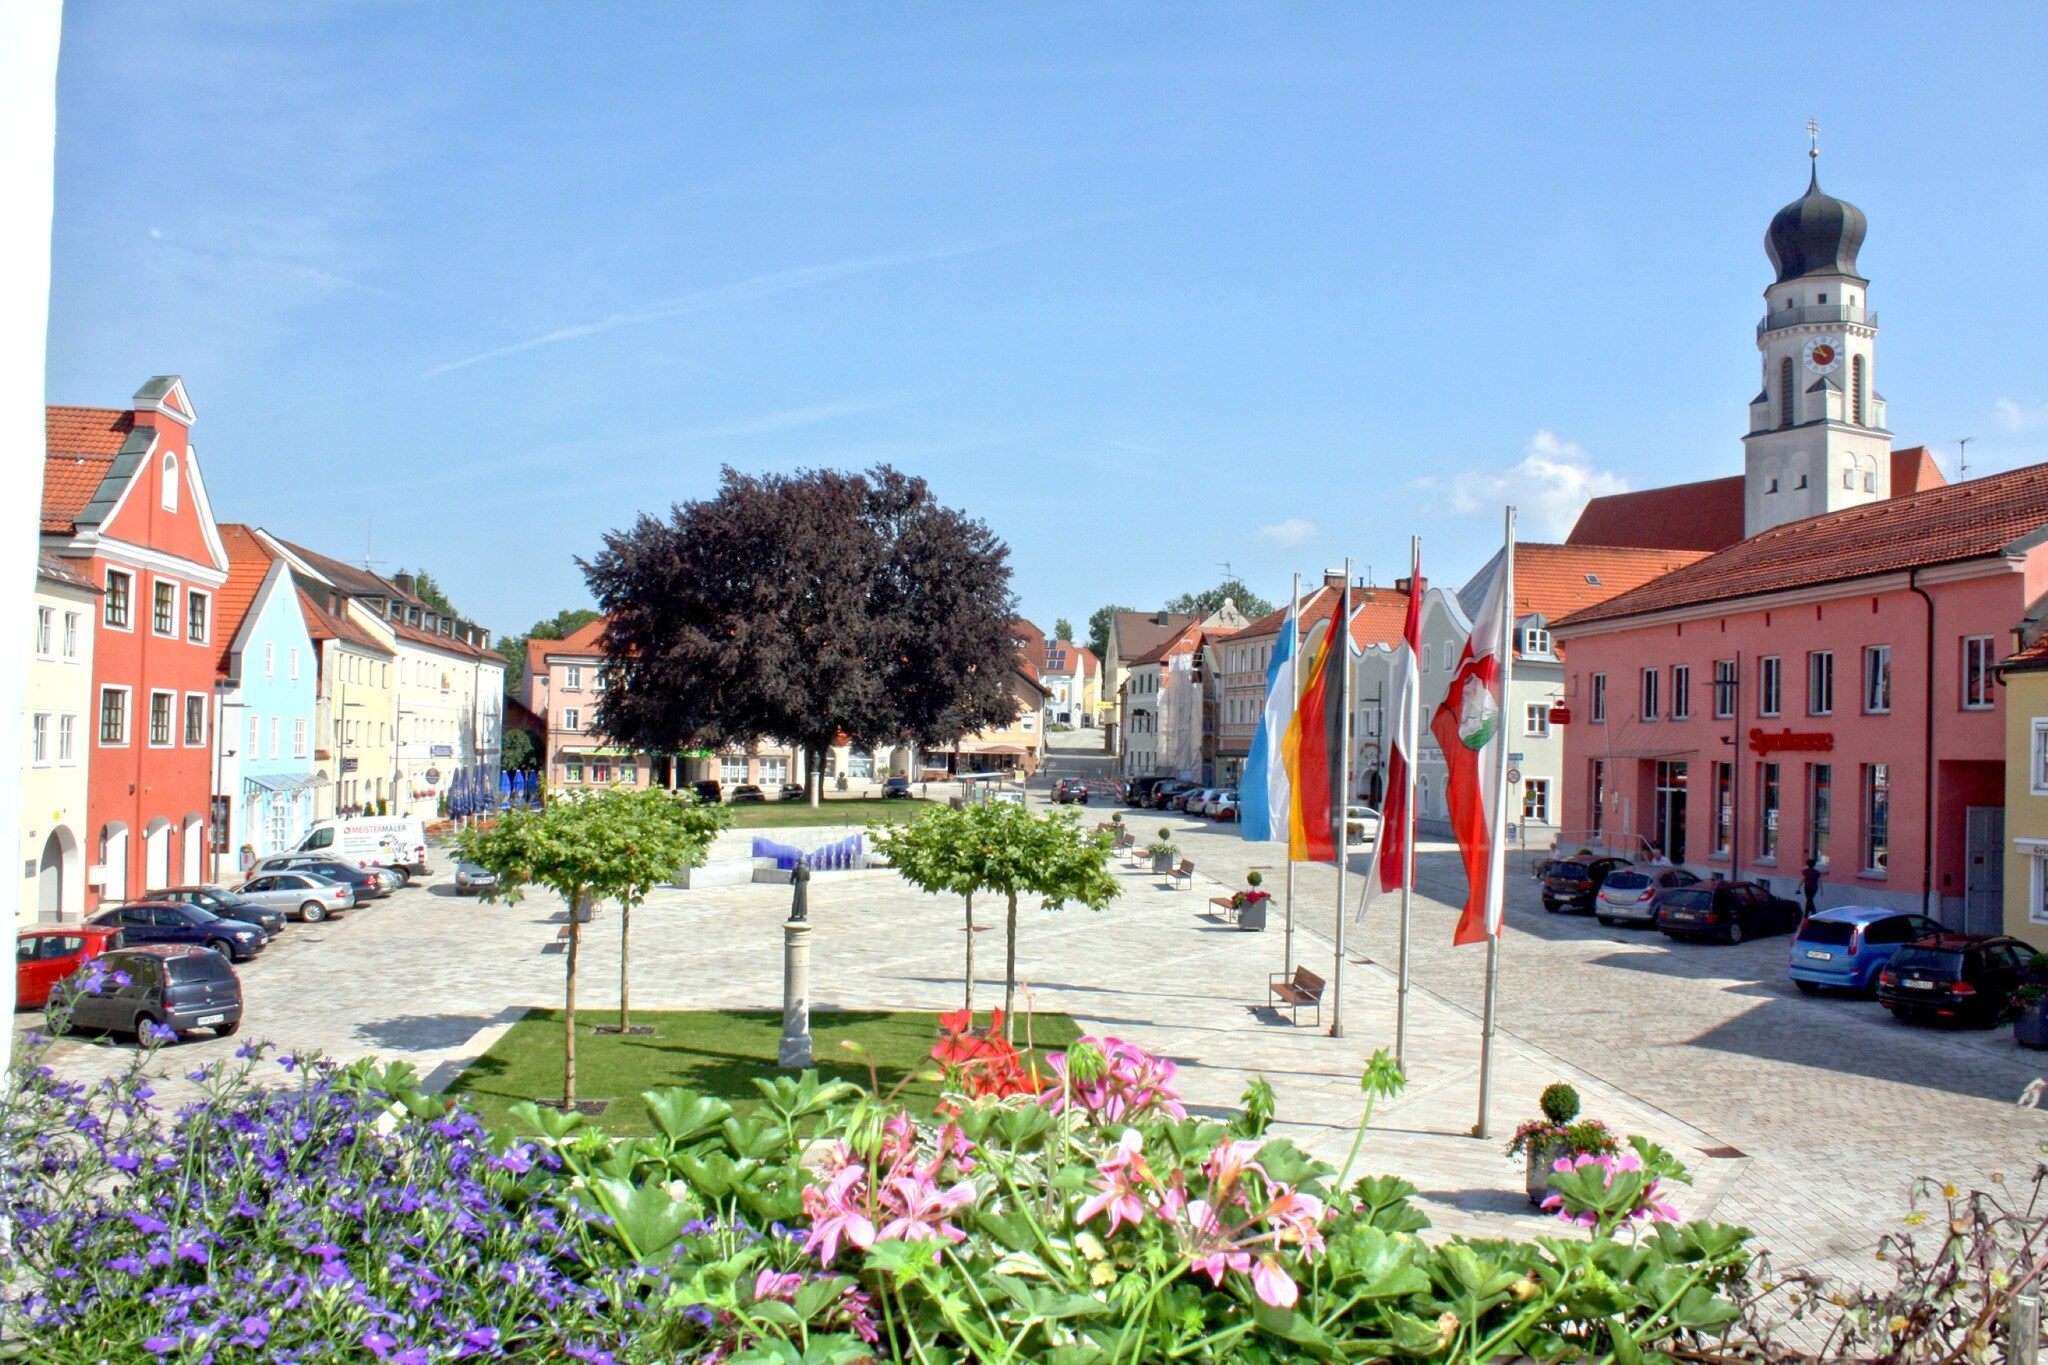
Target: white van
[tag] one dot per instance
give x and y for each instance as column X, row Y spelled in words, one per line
column 379, row 840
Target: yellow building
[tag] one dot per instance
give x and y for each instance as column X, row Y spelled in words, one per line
column 54, row 758
column 358, row 707
column 2026, row 794
column 1018, row 747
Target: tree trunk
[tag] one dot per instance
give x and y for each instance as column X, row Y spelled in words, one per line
column 625, row 962
column 569, row 1010
column 970, row 958
column 1010, row 977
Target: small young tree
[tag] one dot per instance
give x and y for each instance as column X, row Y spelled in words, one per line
column 1003, row 848
column 617, row 844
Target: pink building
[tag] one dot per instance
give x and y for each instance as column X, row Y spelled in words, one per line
column 1824, row 688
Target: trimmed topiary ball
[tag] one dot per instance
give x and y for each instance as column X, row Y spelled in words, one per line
column 1560, row 1103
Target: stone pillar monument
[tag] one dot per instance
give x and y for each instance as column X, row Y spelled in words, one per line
column 795, row 1050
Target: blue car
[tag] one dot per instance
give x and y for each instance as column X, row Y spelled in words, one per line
column 1847, row 946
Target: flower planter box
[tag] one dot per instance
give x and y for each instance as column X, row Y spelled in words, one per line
column 2030, row 1025
column 1252, row 915
column 1162, row 863
column 1542, row 1156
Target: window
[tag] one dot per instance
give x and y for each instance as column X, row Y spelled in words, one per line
column 1877, row 679
column 295, row 663
column 1977, row 675
column 1770, row 680
column 164, row 618
column 1771, row 487
column 1849, row 479
column 170, row 488
column 572, row 719
column 299, row 737
column 1535, row 641
column 1536, row 800
column 1598, row 788
column 161, row 707
column 1785, row 392
column 276, row 728
column 1877, row 818
column 1724, row 689
column 573, row 772
column 1536, row 720
column 113, row 715
column 1681, row 691
column 39, row 739
column 1649, row 700
column 67, row 739
column 255, row 737
column 197, row 605
column 572, row 679
column 732, row 769
column 114, row 605
column 195, row 722
column 71, row 623
column 1767, row 810
column 1856, row 389
column 1724, row 808
column 46, row 629
column 1599, row 698
column 1820, row 809
column 600, row 771
column 1820, row 683
column 2041, row 755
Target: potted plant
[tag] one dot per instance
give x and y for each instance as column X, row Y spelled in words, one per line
column 1250, row 903
column 1163, row 851
column 2029, row 1006
column 1559, row 1134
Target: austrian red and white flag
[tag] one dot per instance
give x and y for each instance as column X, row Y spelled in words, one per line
column 1468, row 729
column 1397, row 816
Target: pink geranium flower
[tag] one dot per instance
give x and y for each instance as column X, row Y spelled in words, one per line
column 835, row 1212
column 1124, row 1180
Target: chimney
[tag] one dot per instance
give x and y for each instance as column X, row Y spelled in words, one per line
column 1163, row 618
column 1411, row 586
column 1333, row 579
column 404, row 582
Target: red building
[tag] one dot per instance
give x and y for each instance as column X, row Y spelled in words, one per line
column 124, row 506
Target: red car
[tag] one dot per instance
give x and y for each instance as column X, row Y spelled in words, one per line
column 43, row 957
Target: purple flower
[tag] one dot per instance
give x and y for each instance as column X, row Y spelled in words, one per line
column 144, row 1223
column 161, row 1345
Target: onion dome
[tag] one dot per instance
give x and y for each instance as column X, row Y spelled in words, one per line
column 1815, row 234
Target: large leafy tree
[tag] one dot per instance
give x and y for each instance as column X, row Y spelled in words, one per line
column 615, row 844
column 1063, row 629
column 1002, row 848
column 1202, row 603
column 805, row 608
column 1098, row 628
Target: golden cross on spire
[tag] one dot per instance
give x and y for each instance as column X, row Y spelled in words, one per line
column 1813, row 135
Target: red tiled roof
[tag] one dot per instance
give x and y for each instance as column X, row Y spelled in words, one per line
column 249, row 561
column 322, row 624
column 55, row 570
column 1557, row 580
column 586, row 641
column 1140, row 632
column 81, row 444
column 2032, row 659
column 1943, row 525
column 1914, row 471
column 1706, row 515
column 454, row 644
column 1080, row 659
column 1375, row 620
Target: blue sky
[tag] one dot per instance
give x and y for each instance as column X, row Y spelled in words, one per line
column 1149, row 288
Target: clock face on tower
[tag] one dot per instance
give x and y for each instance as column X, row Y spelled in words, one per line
column 1824, row 355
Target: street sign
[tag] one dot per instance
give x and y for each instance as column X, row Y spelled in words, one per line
column 1516, row 758
column 1514, row 774
column 348, row 765
column 433, row 777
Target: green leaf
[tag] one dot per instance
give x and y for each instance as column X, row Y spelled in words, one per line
column 1413, row 1336
column 644, row 1218
column 1289, row 1325
column 758, row 1136
column 551, row 1123
column 683, row 1115
column 777, row 1312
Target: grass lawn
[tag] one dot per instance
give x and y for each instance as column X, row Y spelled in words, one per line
column 845, row 810
column 718, row 1052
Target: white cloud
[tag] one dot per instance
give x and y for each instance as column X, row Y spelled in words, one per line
column 1293, row 531
column 2020, row 416
column 1548, row 489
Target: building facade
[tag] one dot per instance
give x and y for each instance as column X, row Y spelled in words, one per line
column 357, row 708
column 1072, row 679
column 125, row 506
column 55, row 792
column 2025, row 676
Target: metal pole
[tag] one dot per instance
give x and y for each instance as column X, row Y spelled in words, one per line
column 1340, row 817
column 1293, row 702
column 1496, row 884
column 1409, row 700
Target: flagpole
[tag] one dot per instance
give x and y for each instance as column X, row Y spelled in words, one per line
column 1496, row 877
column 1294, row 703
column 1410, row 720
column 1340, row 642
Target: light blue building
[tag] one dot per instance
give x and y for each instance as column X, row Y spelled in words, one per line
column 264, row 760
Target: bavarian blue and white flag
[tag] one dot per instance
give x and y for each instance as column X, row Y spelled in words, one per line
column 1263, row 794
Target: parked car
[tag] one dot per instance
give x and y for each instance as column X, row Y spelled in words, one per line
column 169, row 922
column 172, row 986
column 1954, row 976
column 1196, row 801
column 299, row 894
column 1572, row 882
column 1728, row 911
column 1850, row 944
column 1137, row 791
column 1631, row 895
column 382, row 840
column 392, row 878
column 709, row 792
column 793, row 791
column 896, row 789
column 225, row 904
column 747, row 794
column 471, row 880
column 1360, row 824
column 1163, row 793
column 1070, row 791
column 45, row 956
column 1224, row 807
column 367, row 885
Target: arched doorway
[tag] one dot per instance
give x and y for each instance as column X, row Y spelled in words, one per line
column 156, row 856
column 195, row 849
column 50, row 878
column 114, row 862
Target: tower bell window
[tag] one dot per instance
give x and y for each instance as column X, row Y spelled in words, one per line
column 1785, row 392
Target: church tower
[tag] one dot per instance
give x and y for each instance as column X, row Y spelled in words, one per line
column 1817, row 440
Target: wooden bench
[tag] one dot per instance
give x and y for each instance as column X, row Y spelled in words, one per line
column 1184, row 873
column 1226, row 907
column 1303, row 988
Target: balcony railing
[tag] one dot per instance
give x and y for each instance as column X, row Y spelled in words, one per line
column 1816, row 312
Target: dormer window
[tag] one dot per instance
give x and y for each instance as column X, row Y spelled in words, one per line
column 1535, row 641
column 170, row 489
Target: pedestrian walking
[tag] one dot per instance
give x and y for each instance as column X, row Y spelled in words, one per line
column 1809, row 882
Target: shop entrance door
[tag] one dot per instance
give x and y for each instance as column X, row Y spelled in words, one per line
column 1669, row 822
column 1984, row 870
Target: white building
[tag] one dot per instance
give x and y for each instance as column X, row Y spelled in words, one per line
column 55, row 757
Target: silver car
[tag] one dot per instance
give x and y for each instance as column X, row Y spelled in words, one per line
column 301, row 895
column 471, row 880
column 1631, row 893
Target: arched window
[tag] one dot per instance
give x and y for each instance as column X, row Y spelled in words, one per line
column 1856, row 389
column 1785, row 392
column 170, row 489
